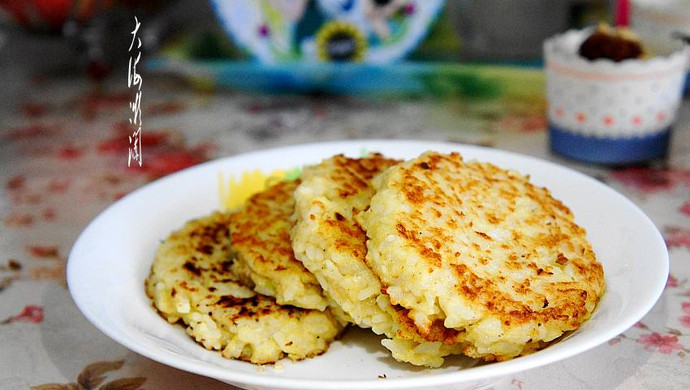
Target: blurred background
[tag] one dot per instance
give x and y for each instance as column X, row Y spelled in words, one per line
column 92, row 36
column 222, row 77
column 481, row 60
column 204, row 45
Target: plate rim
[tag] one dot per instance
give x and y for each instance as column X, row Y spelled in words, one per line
column 484, row 372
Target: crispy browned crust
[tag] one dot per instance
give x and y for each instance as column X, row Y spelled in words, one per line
column 436, row 331
column 194, row 264
column 350, row 179
column 261, row 227
column 453, row 211
column 206, row 243
column 570, row 297
column 347, row 189
column 352, row 176
column 260, row 238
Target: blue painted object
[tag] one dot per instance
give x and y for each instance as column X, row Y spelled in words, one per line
column 401, row 78
column 609, row 150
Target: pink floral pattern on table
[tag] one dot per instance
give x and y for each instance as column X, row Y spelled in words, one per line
column 166, row 151
column 527, row 124
column 685, row 208
column 685, row 318
column 31, row 314
column 666, row 340
column 665, row 344
column 42, row 251
column 677, row 237
column 655, row 181
column 65, row 160
column 652, row 179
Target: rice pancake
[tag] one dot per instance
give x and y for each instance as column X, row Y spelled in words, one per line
column 260, row 241
column 191, row 282
column 482, row 249
column 328, row 240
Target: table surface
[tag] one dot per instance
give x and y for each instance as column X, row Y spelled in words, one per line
column 63, row 159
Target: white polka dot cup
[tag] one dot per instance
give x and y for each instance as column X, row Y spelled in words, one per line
column 606, row 112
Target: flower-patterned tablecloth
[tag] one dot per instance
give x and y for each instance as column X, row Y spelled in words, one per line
column 63, row 159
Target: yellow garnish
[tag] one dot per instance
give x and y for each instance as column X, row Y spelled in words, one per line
column 234, row 191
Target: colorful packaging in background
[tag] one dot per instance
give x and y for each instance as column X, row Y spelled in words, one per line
column 290, row 31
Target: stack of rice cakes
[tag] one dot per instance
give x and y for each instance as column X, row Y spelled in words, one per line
column 191, row 282
column 439, row 255
column 331, row 244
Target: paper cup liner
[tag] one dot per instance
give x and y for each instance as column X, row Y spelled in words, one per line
column 611, row 112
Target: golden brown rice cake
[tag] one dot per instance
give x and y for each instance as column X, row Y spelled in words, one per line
column 260, row 239
column 331, row 244
column 191, row 282
column 483, row 250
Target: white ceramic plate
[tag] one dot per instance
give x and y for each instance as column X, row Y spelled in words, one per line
column 111, row 258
